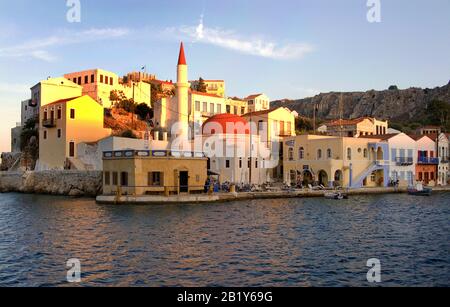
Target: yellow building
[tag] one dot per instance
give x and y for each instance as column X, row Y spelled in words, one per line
column 273, row 124
column 153, row 172
column 335, row 161
column 236, row 106
column 53, row 89
column 215, row 87
column 64, row 124
column 355, row 127
column 99, row 83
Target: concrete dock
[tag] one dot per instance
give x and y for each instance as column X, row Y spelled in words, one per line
column 225, row 197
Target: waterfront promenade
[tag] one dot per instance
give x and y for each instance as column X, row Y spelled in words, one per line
column 226, row 197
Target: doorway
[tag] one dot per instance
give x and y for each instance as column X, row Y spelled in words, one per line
column 184, row 181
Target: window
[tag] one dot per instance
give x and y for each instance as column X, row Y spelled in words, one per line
column 301, row 153
column 291, row 154
column 219, row 109
column 115, row 178
column 155, row 179
column 227, row 163
column 228, row 107
column 79, row 80
column 107, row 178
column 101, row 78
column 349, row 153
column 45, row 115
column 393, row 154
column 211, row 108
column 111, row 82
column 242, row 110
column 106, row 79
column 235, row 109
column 72, row 149
column 59, row 113
column 205, row 107
column 289, row 128
column 365, row 153
column 240, row 162
column 59, row 133
column 197, row 106
column 249, row 163
column 319, row 154
column 92, row 78
column 124, row 179
column 86, row 79
column 256, row 163
column 329, row 154
column 72, row 113
column 45, row 134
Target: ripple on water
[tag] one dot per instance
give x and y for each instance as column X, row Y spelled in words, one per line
column 295, row 242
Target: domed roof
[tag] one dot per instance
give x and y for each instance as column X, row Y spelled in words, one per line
column 227, row 123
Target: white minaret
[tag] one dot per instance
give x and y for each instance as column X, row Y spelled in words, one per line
column 182, row 92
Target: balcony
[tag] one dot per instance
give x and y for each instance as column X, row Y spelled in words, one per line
column 404, row 161
column 49, row 123
column 427, row 160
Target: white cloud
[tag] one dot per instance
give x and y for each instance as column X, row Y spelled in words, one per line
column 14, row 88
column 253, row 46
column 36, row 48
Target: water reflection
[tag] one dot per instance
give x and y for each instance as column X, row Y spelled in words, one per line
column 292, row 242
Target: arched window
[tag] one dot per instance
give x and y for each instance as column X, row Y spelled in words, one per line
column 365, row 152
column 349, row 153
column 291, row 154
column 319, row 154
column 301, row 153
column 329, row 153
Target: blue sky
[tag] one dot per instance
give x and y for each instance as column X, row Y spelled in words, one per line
column 287, row 49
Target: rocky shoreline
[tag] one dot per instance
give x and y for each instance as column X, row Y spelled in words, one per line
column 66, row 183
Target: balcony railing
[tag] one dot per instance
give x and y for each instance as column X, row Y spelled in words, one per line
column 404, row 161
column 49, row 123
column 151, row 153
column 427, row 160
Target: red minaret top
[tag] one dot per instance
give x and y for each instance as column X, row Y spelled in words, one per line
column 181, row 57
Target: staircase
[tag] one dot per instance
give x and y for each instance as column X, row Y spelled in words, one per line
column 375, row 166
column 76, row 164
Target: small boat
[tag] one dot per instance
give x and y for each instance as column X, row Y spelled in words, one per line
column 420, row 190
column 335, row 195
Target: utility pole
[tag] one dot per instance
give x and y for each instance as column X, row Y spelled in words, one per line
column 132, row 108
column 314, row 118
column 251, row 144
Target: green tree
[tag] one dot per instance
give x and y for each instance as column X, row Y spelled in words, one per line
column 303, row 124
column 438, row 113
column 128, row 134
column 143, row 111
column 201, row 86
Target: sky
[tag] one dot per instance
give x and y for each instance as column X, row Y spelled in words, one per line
column 284, row 48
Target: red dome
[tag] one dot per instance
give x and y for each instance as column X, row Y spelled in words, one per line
column 225, row 122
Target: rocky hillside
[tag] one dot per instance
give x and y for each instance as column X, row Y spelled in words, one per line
column 393, row 104
column 121, row 121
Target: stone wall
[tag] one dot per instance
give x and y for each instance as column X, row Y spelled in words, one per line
column 71, row 183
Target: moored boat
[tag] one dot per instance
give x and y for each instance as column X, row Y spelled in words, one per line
column 420, row 190
column 335, row 195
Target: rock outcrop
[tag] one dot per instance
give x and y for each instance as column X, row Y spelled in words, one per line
column 69, row 183
column 393, row 104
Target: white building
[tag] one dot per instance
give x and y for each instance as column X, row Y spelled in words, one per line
column 90, row 154
column 403, row 154
column 229, row 152
column 257, row 102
